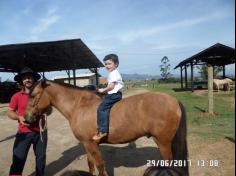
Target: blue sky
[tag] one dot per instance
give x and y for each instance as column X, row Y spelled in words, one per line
column 140, row 32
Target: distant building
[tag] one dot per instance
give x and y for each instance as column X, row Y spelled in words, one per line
column 81, row 79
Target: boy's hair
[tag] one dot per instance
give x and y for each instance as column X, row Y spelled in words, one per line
column 112, row 57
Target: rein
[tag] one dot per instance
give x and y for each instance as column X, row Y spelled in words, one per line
column 37, row 102
column 42, row 127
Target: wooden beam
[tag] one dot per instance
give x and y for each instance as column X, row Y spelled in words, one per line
column 68, row 73
column 96, row 74
column 181, row 77
column 210, row 89
column 74, row 77
column 192, row 88
column 223, row 71
column 186, row 77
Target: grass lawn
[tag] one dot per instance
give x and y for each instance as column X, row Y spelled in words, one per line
column 200, row 124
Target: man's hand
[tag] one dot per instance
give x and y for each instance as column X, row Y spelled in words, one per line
column 22, row 121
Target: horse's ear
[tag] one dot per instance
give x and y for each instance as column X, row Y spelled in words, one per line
column 43, row 82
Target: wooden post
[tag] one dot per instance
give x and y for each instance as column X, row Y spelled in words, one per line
column 186, row 77
column 192, row 88
column 74, row 77
column 181, row 76
column 97, row 78
column 223, row 71
column 68, row 73
column 210, row 90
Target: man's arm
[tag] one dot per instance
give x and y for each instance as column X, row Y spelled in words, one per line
column 14, row 116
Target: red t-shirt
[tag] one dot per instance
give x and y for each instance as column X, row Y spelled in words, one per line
column 18, row 103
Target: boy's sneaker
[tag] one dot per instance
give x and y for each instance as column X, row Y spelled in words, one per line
column 99, row 136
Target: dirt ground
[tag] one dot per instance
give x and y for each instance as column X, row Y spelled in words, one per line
column 65, row 152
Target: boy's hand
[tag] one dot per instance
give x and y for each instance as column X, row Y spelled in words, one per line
column 102, row 90
column 108, row 88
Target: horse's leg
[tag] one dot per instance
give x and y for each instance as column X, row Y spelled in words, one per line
column 165, row 149
column 93, row 150
column 90, row 163
column 228, row 86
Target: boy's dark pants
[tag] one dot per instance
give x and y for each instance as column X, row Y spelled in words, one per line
column 21, row 148
column 104, row 110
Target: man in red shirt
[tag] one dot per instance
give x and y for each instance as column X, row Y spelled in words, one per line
column 27, row 134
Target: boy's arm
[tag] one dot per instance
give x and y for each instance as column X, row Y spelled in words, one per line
column 109, row 87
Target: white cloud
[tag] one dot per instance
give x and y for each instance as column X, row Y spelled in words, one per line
column 155, row 30
column 45, row 22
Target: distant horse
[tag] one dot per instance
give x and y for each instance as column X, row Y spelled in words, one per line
column 149, row 114
column 218, row 83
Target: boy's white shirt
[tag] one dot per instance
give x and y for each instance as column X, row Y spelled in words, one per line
column 115, row 77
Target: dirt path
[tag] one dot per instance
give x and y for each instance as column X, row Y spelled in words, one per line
column 65, row 152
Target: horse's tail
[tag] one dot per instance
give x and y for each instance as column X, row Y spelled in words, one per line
column 179, row 143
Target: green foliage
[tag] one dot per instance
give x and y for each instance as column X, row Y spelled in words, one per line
column 170, row 80
column 203, row 71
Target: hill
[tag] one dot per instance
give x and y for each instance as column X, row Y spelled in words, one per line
column 138, row 76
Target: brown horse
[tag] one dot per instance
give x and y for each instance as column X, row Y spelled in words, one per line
column 149, row 114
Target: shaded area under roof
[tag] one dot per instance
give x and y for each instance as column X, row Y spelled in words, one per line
column 216, row 55
column 48, row 56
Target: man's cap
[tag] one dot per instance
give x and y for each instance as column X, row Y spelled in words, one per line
column 26, row 70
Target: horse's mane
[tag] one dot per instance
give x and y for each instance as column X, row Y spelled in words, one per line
column 90, row 88
column 73, row 86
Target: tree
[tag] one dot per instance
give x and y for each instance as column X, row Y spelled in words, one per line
column 204, row 74
column 165, row 68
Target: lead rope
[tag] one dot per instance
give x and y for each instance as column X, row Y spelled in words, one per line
column 41, row 127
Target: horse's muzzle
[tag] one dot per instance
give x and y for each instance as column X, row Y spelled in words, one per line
column 30, row 119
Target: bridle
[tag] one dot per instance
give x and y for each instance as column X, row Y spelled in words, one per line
column 40, row 95
column 41, row 127
column 38, row 99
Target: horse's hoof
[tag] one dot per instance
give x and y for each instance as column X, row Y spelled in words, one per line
column 103, row 174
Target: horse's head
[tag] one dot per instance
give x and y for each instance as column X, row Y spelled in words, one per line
column 39, row 102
